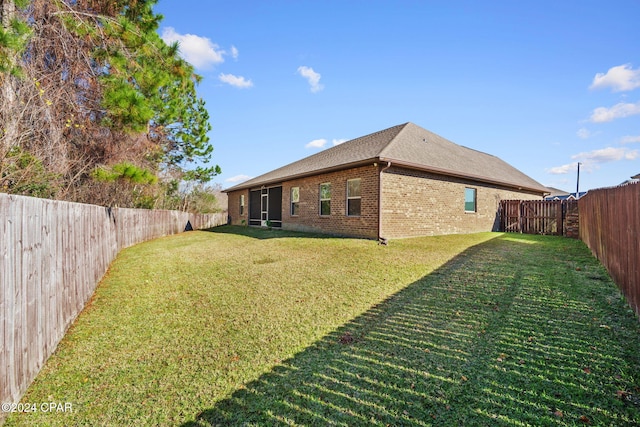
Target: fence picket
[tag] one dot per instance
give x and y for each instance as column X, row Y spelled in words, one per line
column 52, row 256
column 610, row 227
column 554, row 217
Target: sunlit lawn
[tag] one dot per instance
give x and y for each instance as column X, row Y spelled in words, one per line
column 256, row 327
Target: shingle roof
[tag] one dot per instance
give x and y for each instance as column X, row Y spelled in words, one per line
column 405, row 145
column 557, row 192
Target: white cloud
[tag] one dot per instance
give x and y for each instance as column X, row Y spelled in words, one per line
column 591, row 160
column 234, row 52
column 564, row 169
column 605, row 155
column 621, row 78
column 316, row 143
column 237, row 81
column 583, row 133
column 238, row 178
column 312, row 77
column 201, row 52
column 620, row 110
column 321, row 143
column 630, row 139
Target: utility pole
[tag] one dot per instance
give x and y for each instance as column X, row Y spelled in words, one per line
column 578, row 183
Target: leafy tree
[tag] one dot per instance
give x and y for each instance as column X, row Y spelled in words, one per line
column 101, row 89
column 136, row 180
column 125, row 171
column 25, row 174
column 14, row 34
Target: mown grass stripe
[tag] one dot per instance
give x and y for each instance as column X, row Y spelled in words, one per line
column 484, row 329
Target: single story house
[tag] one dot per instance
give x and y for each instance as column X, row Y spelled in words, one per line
column 557, row 194
column 634, row 179
column 399, row 182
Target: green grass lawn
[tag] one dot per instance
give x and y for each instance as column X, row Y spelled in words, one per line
column 252, row 327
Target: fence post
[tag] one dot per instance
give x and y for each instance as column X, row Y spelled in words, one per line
column 521, row 216
column 52, row 256
column 560, row 217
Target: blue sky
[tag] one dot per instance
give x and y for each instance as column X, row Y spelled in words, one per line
column 541, row 84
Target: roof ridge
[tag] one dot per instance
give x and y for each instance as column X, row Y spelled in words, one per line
column 386, row 146
column 359, row 138
column 478, row 151
column 403, row 144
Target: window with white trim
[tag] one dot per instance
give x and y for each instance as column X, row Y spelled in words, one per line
column 353, row 197
column 470, row 200
column 325, row 199
column 295, row 201
column 242, row 204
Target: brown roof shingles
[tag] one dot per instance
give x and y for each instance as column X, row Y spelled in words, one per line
column 405, row 145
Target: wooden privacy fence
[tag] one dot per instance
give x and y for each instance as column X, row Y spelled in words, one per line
column 555, row 217
column 52, row 256
column 610, row 227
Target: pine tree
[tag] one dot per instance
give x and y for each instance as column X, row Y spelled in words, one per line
column 101, row 89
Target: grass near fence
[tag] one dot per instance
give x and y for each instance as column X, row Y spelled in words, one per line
column 256, row 327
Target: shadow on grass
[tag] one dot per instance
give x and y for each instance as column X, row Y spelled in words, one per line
column 521, row 330
column 265, row 233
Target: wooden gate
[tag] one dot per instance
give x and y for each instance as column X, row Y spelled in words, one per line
column 536, row 216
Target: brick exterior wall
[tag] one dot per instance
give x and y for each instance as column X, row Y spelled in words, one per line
column 416, row 203
column 309, row 218
column 233, row 207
